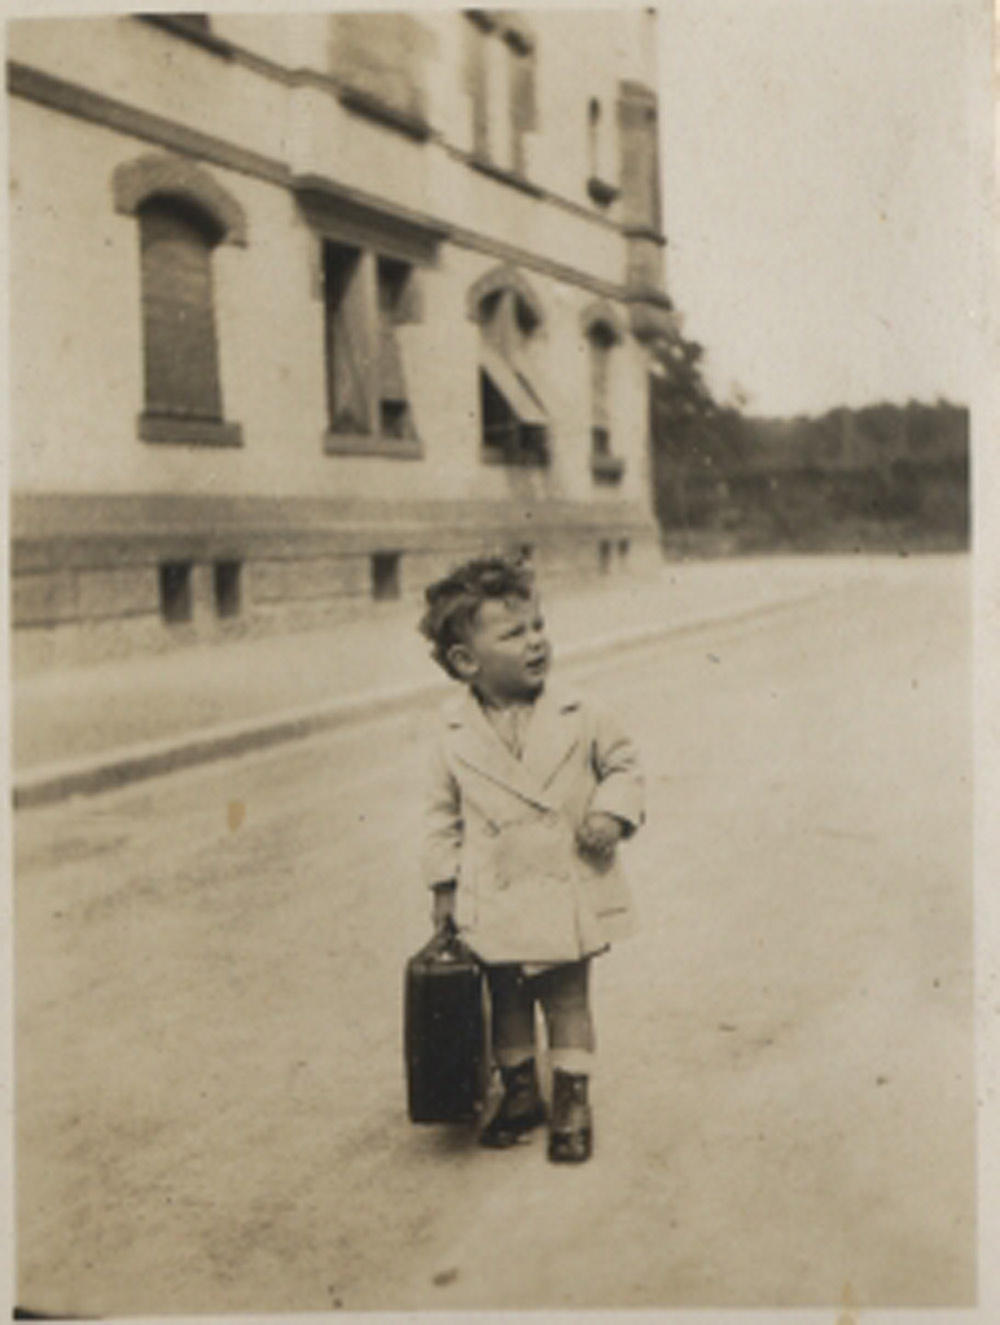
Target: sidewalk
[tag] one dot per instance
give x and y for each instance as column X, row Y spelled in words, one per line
column 91, row 728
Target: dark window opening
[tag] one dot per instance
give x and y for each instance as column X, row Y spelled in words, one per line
column 506, row 436
column 385, row 576
column 601, row 190
column 604, row 550
column 605, row 466
column 394, row 281
column 176, row 603
column 395, row 305
column 507, row 318
column 514, row 420
column 227, row 582
column 593, row 131
column 501, row 427
column 624, row 547
column 395, row 418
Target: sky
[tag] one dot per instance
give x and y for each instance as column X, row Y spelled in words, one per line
column 825, row 168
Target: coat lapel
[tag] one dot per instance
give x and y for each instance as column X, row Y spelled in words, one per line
column 552, row 736
column 478, row 746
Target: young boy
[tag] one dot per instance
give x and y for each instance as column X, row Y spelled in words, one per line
column 529, row 794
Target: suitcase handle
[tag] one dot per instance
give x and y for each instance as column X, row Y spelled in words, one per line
column 446, row 946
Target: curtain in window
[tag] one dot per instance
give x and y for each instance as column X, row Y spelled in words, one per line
column 181, row 350
column 349, row 355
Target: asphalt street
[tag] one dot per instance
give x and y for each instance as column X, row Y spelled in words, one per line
column 210, row 1113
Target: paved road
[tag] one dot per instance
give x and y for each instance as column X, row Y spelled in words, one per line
column 210, row 1113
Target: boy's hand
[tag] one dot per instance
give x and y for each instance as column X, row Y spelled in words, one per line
column 443, row 912
column 599, row 834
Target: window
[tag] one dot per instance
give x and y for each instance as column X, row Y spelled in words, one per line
column 394, row 286
column 601, row 191
column 514, row 420
column 501, row 85
column 348, row 361
column 367, row 298
column 604, row 555
column 366, row 278
column 175, row 591
column 602, row 336
column 226, row 578
column 385, row 576
column 179, row 338
column 379, row 61
column 600, row 340
column 183, row 216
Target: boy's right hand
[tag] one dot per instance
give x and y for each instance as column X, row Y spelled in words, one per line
column 443, row 912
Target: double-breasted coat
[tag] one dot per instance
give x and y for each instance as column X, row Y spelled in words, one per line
column 504, row 828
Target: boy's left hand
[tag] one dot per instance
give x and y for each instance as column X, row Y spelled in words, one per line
column 599, row 834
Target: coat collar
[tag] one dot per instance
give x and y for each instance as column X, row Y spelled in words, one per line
column 551, row 738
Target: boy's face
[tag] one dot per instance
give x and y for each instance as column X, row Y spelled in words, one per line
column 507, row 654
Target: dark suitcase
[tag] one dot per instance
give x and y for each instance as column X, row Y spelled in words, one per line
column 445, row 1037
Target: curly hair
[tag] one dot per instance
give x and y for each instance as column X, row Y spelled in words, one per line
column 453, row 602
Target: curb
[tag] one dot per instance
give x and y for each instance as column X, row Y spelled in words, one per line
column 112, row 769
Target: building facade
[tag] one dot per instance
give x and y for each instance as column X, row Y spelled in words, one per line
column 304, row 308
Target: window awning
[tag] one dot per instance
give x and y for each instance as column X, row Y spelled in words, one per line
column 514, row 387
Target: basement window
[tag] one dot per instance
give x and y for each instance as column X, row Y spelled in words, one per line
column 385, row 581
column 176, row 602
column 227, row 583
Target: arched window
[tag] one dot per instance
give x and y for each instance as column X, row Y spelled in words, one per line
column 599, row 186
column 180, row 347
column 601, row 328
column 183, row 214
column 601, row 341
column 513, row 417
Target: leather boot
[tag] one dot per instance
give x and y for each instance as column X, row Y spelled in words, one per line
column 571, row 1129
column 520, row 1109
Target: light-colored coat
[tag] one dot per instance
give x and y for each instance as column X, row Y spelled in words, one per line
column 504, row 827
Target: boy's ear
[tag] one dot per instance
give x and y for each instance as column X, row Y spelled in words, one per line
column 463, row 661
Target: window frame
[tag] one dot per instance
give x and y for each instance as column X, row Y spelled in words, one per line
column 603, row 333
column 510, row 317
column 171, row 183
column 501, row 74
column 341, row 216
column 374, row 325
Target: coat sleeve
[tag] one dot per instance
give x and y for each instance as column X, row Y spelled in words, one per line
column 620, row 782
column 443, row 827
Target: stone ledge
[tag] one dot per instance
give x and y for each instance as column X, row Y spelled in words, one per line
column 164, row 429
